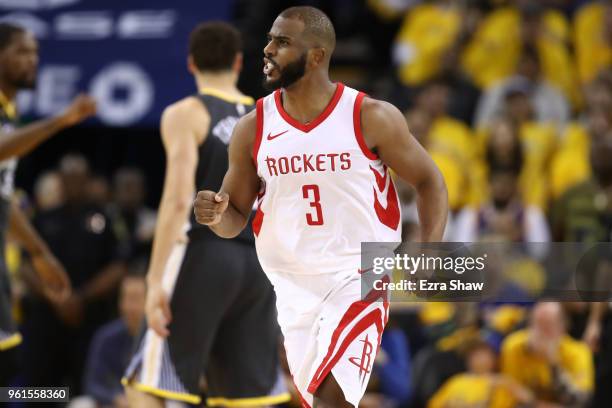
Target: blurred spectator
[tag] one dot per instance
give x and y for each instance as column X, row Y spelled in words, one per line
column 432, row 367
column 390, row 9
column 538, row 141
column 480, row 386
column 57, row 335
column 568, row 7
column 132, row 222
column 512, row 134
column 112, row 344
column 428, row 47
column 48, row 191
column 449, row 141
column 548, row 102
column 498, row 147
column 496, row 47
column 449, row 326
column 427, row 32
column 98, row 191
column 593, row 39
column 375, row 28
column 598, row 91
column 463, row 93
column 570, row 164
column 555, row 367
column 505, row 217
column 503, row 146
column 584, row 212
column 501, row 319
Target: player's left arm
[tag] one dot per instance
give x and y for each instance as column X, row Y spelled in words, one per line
column 51, row 274
column 386, row 132
column 181, row 125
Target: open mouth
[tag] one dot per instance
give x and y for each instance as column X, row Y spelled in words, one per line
column 269, row 67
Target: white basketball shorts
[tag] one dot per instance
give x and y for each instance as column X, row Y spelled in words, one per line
column 329, row 328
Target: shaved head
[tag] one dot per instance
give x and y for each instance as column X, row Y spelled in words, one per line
column 300, row 43
column 317, row 26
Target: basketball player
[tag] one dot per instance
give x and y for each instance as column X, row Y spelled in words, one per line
column 18, row 64
column 210, row 308
column 317, row 153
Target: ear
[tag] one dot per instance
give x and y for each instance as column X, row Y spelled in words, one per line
column 191, row 65
column 238, row 61
column 317, row 56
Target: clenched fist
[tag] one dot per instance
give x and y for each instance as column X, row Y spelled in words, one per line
column 210, row 206
column 81, row 108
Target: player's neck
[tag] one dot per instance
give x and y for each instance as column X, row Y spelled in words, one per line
column 224, row 81
column 306, row 99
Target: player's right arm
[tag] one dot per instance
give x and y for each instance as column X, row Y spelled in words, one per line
column 52, row 276
column 227, row 211
column 20, row 141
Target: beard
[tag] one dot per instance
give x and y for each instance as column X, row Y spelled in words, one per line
column 289, row 75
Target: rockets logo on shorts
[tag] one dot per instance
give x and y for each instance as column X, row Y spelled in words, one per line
column 364, row 361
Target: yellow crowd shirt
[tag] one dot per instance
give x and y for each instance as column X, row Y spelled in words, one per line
column 570, row 164
column 470, row 390
column 534, row 372
column 451, row 146
column 593, row 53
column 494, row 52
column 427, row 32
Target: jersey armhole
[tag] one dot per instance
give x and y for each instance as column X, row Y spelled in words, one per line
column 357, row 127
column 258, row 135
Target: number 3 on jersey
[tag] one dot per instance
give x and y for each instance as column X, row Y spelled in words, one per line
column 316, row 219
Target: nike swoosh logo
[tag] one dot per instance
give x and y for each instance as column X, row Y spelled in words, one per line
column 362, row 271
column 272, row 137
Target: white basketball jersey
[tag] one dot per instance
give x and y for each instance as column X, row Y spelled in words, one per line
column 323, row 191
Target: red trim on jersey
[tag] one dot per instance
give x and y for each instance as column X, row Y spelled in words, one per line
column 357, row 126
column 380, row 180
column 257, row 221
column 353, row 311
column 259, row 132
column 389, row 216
column 317, row 121
column 259, row 215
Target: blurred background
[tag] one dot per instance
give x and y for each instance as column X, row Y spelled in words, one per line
column 512, row 98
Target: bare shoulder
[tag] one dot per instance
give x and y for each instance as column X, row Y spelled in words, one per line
column 245, row 131
column 186, row 116
column 185, row 108
column 376, row 113
column 381, row 122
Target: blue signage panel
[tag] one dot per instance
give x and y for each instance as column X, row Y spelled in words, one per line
column 130, row 55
